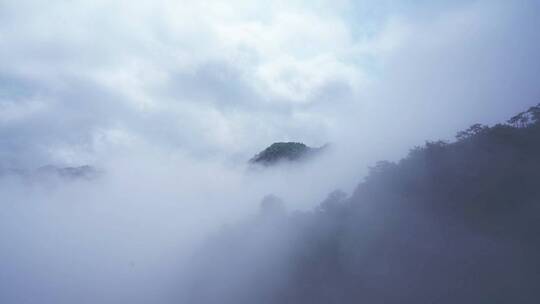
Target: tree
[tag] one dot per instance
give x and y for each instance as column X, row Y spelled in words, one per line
column 471, row 131
column 272, row 206
column 527, row 118
column 332, row 201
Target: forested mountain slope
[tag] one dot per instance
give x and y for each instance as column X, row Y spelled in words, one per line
column 450, row 223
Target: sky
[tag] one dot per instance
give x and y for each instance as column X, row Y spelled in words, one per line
column 81, row 81
column 169, row 99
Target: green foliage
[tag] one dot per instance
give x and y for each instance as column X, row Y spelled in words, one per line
column 284, row 151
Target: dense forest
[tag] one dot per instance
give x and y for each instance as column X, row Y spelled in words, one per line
column 454, row 222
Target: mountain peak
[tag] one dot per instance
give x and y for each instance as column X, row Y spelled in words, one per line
column 285, row 151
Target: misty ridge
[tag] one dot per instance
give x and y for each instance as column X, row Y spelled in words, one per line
column 51, row 171
column 453, row 222
column 286, row 151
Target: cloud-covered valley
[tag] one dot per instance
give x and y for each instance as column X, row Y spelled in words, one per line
column 170, row 99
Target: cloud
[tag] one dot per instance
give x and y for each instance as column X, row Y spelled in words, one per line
column 441, row 72
column 215, row 80
column 181, row 66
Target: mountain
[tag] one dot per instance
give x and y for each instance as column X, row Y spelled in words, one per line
column 452, row 222
column 79, row 172
column 50, row 171
column 285, row 151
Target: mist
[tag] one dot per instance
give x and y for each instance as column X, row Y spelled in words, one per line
column 128, row 234
column 169, row 100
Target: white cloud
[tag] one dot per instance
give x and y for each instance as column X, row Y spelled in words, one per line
column 208, row 76
column 152, row 57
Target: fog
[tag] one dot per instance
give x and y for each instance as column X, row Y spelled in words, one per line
column 169, row 100
column 127, row 235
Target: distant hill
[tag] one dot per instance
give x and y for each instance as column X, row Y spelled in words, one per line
column 285, row 151
column 52, row 171
column 80, row 172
